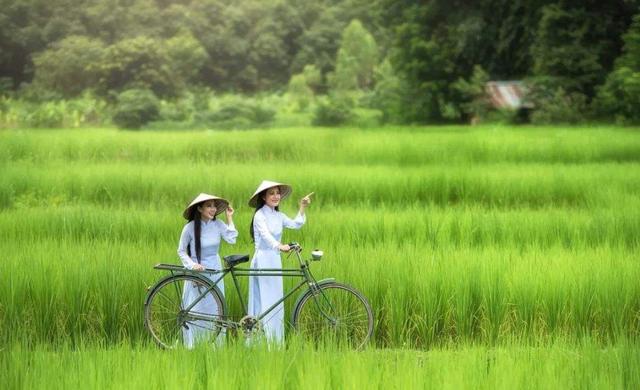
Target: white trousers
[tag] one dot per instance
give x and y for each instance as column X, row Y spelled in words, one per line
column 200, row 330
column 264, row 292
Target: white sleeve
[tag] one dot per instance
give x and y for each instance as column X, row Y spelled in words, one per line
column 295, row 223
column 185, row 240
column 260, row 226
column 227, row 232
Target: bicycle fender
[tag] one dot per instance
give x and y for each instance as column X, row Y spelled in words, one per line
column 153, row 288
column 302, row 294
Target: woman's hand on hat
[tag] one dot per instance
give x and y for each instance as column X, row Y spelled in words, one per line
column 229, row 211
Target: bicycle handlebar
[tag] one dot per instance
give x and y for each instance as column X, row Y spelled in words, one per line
column 294, row 246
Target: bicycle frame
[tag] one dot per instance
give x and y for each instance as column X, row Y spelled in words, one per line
column 302, row 272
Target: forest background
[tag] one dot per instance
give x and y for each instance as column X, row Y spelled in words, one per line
column 249, row 64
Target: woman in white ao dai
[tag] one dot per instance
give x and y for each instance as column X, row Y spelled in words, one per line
column 266, row 231
column 198, row 249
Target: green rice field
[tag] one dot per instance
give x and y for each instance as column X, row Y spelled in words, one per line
column 493, row 257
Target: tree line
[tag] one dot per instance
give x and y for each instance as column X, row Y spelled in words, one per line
column 415, row 61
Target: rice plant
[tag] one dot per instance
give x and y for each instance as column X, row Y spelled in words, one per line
column 456, row 235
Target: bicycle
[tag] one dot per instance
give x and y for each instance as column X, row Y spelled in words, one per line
column 325, row 310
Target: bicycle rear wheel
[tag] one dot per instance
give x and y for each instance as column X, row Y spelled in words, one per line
column 167, row 319
column 334, row 312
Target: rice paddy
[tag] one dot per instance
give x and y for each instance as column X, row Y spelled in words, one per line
column 492, row 256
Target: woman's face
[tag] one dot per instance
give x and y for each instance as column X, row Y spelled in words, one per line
column 272, row 197
column 207, row 210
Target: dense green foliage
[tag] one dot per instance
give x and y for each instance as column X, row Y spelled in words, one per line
column 473, row 92
column 69, row 66
column 356, row 59
column 242, row 45
column 620, row 96
column 81, row 112
column 334, row 111
column 557, row 43
column 135, row 108
column 238, row 114
column 569, row 53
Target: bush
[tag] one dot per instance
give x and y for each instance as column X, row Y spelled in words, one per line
column 506, row 116
column 366, row 118
column 138, row 63
column 620, row 96
column 238, row 115
column 559, row 107
column 389, row 94
column 46, row 115
column 176, row 111
column 69, row 66
column 55, row 113
column 6, row 87
column 86, row 110
column 135, row 108
column 36, row 93
column 299, row 92
column 476, row 104
column 333, row 111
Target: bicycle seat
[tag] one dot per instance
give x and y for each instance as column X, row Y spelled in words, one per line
column 233, row 260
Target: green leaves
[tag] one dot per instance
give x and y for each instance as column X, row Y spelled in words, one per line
column 619, row 97
column 356, row 60
column 473, row 92
column 135, row 108
column 139, row 62
column 70, row 66
column 564, row 49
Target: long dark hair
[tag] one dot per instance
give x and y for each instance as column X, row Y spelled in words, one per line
column 194, row 215
column 259, row 205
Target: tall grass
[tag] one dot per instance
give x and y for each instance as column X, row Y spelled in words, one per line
column 501, row 185
column 559, row 365
column 429, row 226
column 386, row 146
column 457, row 236
column 432, row 275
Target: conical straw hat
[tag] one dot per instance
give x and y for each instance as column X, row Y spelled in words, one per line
column 221, row 204
column 285, row 190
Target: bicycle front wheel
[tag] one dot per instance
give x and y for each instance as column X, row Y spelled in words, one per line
column 168, row 320
column 334, row 312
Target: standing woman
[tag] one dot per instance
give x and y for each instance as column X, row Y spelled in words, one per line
column 266, row 232
column 198, row 249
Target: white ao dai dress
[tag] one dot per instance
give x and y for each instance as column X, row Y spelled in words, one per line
column 211, row 234
column 264, row 291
